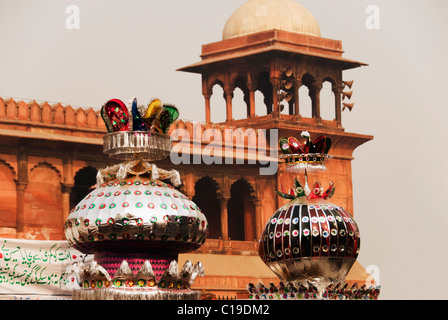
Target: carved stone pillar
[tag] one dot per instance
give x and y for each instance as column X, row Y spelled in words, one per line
column 251, row 85
column 65, row 191
column 275, row 103
column 207, row 97
column 337, row 90
column 67, row 184
column 20, row 208
column 224, row 218
column 21, row 184
column 297, row 86
column 189, row 184
column 228, row 92
column 317, row 87
column 258, row 218
column 207, row 93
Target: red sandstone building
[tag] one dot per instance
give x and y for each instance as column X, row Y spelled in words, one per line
column 50, row 154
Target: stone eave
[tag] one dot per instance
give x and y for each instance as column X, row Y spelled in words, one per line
column 269, row 41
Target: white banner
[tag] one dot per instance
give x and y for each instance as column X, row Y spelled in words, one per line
column 34, row 269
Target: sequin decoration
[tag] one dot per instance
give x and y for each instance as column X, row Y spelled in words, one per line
column 116, row 113
column 161, row 212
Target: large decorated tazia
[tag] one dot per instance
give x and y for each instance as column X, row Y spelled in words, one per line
column 135, row 222
column 309, row 243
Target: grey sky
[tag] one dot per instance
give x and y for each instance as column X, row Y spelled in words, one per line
column 132, row 48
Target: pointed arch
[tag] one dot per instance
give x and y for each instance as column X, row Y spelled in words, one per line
column 264, row 85
column 241, row 211
column 206, row 197
column 84, row 180
column 49, row 166
column 218, row 102
column 306, row 95
column 327, row 99
column 42, row 202
column 241, row 101
column 9, row 166
column 8, row 195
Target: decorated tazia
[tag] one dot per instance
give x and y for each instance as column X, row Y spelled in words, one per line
column 306, row 155
column 294, row 291
column 135, row 222
column 310, row 242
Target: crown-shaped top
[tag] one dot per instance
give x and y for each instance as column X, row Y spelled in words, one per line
column 154, row 117
column 139, row 134
column 308, row 155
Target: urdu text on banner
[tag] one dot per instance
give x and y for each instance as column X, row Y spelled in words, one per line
column 34, row 269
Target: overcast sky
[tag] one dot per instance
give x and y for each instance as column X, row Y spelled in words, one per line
column 132, row 48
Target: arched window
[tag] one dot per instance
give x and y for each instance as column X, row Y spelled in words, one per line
column 306, row 96
column 265, row 87
column 218, row 104
column 85, row 179
column 239, row 107
column 305, row 102
column 7, row 196
column 206, row 199
column 327, row 110
column 260, row 107
column 43, row 201
column 241, row 212
column 240, row 100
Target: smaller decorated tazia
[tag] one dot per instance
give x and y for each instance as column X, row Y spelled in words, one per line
column 309, row 242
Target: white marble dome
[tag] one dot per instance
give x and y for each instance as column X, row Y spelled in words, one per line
column 262, row 15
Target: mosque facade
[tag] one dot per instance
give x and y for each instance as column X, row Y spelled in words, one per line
column 50, row 154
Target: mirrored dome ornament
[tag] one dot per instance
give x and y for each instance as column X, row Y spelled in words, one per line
column 320, row 249
column 134, row 222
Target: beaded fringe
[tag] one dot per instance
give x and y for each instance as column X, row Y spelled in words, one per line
column 134, row 294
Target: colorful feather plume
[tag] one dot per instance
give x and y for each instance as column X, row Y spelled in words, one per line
column 154, row 117
column 116, row 115
column 292, row 145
